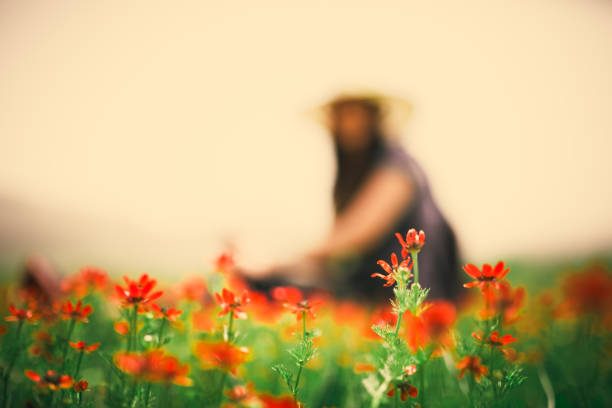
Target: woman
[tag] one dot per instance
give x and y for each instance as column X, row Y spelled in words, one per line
column 379, row 190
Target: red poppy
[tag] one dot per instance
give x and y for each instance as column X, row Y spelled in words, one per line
column 77, row 312
column 271, row 401
column 21, row 315
column 154, row 366
column 84, row 347
column 414, row 241
column 138, row 292
column 472, row 364
column 225, row 263
column 431, row 326
column 293, row 299
column 487, row 277
column 230, row 304
column 169, row 314
column 221, row 355
column 51, row 380
column 81, row 386
column 392, row 269
column 406, row 390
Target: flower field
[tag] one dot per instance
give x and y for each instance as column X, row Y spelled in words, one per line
column 212, row 342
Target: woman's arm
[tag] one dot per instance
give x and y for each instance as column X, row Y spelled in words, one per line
column 377, row 206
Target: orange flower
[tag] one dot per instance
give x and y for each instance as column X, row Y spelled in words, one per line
column 414, row 241
column 360, row 368
column 392, row 269
column 486, row 278
column 122, row 328
column 203, row 319
column 77, row 312
column 194, row 290
column 138, row 292
column 169, row 314
column 81, row 386
column 154, row 366
column 84, row 347
column 225, row 263
column 406, row 390
column 21, row 315
column 88, row 279
column 506, row 302
column 221, row 355
column 50, row 380
column 263, row 309
column 43, row 345
column 472, row 363
column 432, row 326
column 270, row 401
column 241, row 396
column 229, row 303
column 294, row 300
column 587, row 292
column 498, row 342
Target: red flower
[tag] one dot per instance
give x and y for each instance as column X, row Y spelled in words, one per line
column 43, row 345
column 285, row 401
column 89, row 278
column 229, row 303
column 154, row 366
column 243, row 395
column 413, row 243
column 21, row 315
column 222, row 355
column 506, row 302
column 486, row 278
column 472, row 363
column 81, row 386
column 587, row 292
column 84, row 347
column 392, row 269
column 194, row 290
column 169, row 314
column 138, row 292
column 225, row 263
column 122, row 328
column 432, row 326
column 498, row 342
column 294, row 300
column 406, row 390
column 51, row 380
column 410, row 370
column 76, row 312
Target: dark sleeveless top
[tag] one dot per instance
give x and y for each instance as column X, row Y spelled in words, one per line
column 438, row 260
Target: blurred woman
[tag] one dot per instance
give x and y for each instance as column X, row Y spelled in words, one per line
column 379, row 190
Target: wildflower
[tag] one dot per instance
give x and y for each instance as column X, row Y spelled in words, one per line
column 410, row 370
column 51, row 380
column 225, row 263
column 242, row 396
column 84, row 347
column 392, row 270
column 88, row 279
column 432, row 325
column 81, row 386
column 222, row 355
column 486, row 278
column 202, row 319
column 194, row 290
column 588, row 292
column 405, row 389
column 154, row 366
column 498, row 342
column 506, row 302
column 294, row 300
column 138, row 292
column 263, row 309
column 77, row 312
column 360, row 368
column 414, row 241
column 169, row 314
column 270, row 401
column 472, row 363
column 230, row 304
column 43, row 345
column 122, row 328
column 20, row 315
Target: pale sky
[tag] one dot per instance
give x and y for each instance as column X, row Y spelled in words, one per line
column 154, row 132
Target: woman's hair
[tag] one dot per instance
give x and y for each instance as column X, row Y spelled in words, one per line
column 354, row 167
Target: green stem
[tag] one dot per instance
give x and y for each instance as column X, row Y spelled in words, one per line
column 415, row 267
column 133, row 329
column 7, row 375
column 399, row 321
column 161, row 332
column 65, row 348
column 301, row 363
column 147, row 393
column 230, row 326
column 78, row 367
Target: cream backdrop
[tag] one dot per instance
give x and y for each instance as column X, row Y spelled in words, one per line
column 156, row 132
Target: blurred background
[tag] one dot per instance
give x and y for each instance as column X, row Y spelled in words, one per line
column 152, row 134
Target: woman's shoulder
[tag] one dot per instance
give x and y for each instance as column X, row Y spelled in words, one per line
column 395, row 156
